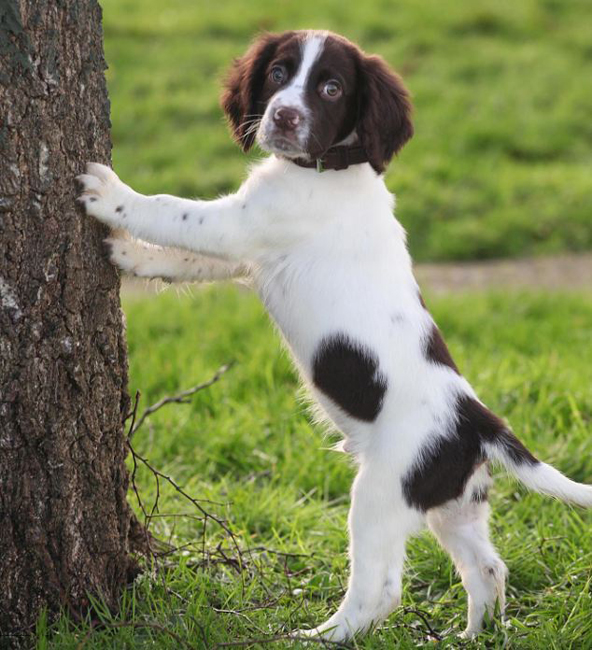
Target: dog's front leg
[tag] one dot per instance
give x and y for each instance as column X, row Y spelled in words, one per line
column 378, row 526
column 170, row 264
column 223, row 227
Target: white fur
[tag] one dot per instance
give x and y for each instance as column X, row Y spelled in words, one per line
column 325, row 255
column 544, row 478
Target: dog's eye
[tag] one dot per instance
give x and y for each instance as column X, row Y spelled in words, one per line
column 331, row 89
column 278, row 74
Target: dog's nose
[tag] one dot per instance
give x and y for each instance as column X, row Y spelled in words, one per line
column 286, row 118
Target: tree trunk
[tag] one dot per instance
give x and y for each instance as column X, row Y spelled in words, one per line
column 64, row 519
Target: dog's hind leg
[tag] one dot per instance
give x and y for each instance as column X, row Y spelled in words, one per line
column 379, row 524
column 461, row 527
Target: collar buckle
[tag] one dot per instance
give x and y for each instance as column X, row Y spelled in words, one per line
column 320, row 166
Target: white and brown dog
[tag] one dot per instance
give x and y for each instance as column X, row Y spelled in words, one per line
column 330, row 263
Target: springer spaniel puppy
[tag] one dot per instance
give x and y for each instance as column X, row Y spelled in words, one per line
column 313, row 229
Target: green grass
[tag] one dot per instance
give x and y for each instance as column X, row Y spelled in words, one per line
column 500, row 164
column 249, row 442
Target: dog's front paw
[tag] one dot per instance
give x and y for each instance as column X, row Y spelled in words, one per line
column 123, row 253
column 104, row 196
column 133, row 257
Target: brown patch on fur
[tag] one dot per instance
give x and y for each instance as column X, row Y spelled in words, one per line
column 244, row 84
column 447, row 462
column 384, row 125
column 437, row 350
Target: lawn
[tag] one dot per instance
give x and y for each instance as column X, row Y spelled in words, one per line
column 500, row 164
column 248, row 442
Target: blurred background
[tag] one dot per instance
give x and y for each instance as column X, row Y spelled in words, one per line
column 500, row 165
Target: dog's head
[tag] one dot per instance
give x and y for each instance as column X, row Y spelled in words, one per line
column 299, row 93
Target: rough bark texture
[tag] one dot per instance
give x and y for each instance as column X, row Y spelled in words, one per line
column 64, row 519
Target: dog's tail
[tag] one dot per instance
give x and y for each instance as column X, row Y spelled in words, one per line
column 506, row 449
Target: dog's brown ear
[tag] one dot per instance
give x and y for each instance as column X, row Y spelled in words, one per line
column 243, row 86
column 384, row 122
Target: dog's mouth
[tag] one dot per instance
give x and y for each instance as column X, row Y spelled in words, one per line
column 281, row 144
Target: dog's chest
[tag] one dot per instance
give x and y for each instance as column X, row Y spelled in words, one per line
column 314, row 293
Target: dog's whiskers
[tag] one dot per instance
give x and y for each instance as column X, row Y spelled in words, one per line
column 253, row 128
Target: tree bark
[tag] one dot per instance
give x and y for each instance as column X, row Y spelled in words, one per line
column 64, row 519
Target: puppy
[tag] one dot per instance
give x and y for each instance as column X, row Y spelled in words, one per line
column 312, row 228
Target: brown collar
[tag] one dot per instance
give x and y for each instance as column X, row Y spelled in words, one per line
column 337, row 158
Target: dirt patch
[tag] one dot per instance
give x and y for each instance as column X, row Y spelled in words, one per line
column 557, row 273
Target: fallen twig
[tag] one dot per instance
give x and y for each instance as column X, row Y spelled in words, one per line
column 424, row 617
column 181, row 398
column 233, row 556
column 282, row 637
